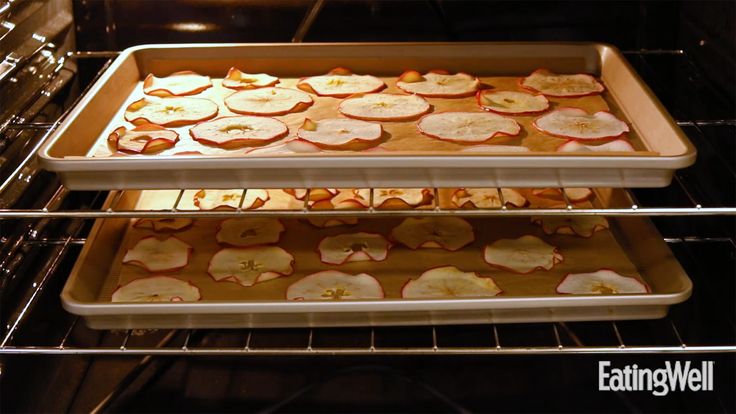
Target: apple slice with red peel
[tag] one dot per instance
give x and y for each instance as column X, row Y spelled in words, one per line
column 575, row 195
column 237, row 79
column 601, row 282
column 449, row 281
column 339, row 133
column 244, row 232
column 562, row 86
column 170, row 112
column 384, row 107
column 583, row 226
column 315, row 194
column 511, row 102
column 449, row 233
column 355, row 247
column 340, row 83
column 143, row 139
column 268, row 101
column 219, row 199
column 239, row 131
column 486, row 198
column 575, row 123
column 334, row 285
column 157, row 289
column 325, row 222
column 619, row 145
column 496, row 148
column 177, row 84
column 402, row 197
column 163, row 224
column 157, row 255
column 523, row 255
column 351, row 198
column 467, row 127
column 438, row 84
column 250, row 265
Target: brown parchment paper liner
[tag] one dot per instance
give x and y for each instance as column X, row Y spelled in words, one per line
column 399, row 136
column 301, row 240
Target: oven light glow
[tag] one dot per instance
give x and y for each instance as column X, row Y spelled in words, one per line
column 192, row 27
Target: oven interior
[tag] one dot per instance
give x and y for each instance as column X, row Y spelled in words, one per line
column 49, row 361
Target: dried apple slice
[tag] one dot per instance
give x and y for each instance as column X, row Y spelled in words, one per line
column 467, row 127
column 156, row 255
column 619, row 145
column 157, row 289
column 575, row 195
column 355, row 247
column 334, row 285
column 143, row 139
column 170, row 112
column 438, row 84
column 250, row 265
column 575, row 123
column 601, row 282
column 163, row 224
column 511, row 102
column 339, row 133
column 384, row 107
column 564, row 86
column 523, row 255
column 449, row 281
column 268, row 101
column 486, row 198
column 350, row 198
column 402, row 197
column 449, row 233
column 496, row 148
column 325, row 222
column 340, row 83
column 315, row 194
column 177, row 84
column 239, row 131
column 237, row 79
column 244, row 232
column 219, row 199
column 583, row 226
column 294, row 146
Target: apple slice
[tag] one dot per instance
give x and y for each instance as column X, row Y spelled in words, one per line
column 575, row 123
column 601, row 282
column 619, row 145
column 523, row 255
column 315, row 194
column 334, row 285
column 449, row 233
column 143, row 139
column 339, row 133
column 250, row 265
column 244, row 232
column 438, row 84
column 351, row 198
column 563, row 86
column 156, row 255
column 237, row 79
column 384, row 107
column 402, row 198
column 486, row 198
column 511, row 102
column 163, row 224
column 268, row 101
column 170, row 112
column 583, row 226
column 325, row 222
column 294, row 146
column 495, row 148
column 467, row 127
column 340, row 83
column 239, row 131
column 157, row 289
column 449, row 281
column 575, row 195
column 177, row 84
column 230, row 199
column 355, row 247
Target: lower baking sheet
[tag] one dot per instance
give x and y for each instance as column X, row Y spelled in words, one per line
column 631, row 247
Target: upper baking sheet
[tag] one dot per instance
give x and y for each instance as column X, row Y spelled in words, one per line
column 411, row 159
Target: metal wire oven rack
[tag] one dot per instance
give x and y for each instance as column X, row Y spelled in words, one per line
column 662, row 336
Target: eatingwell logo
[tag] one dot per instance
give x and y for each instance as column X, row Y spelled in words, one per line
column 675, row 376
